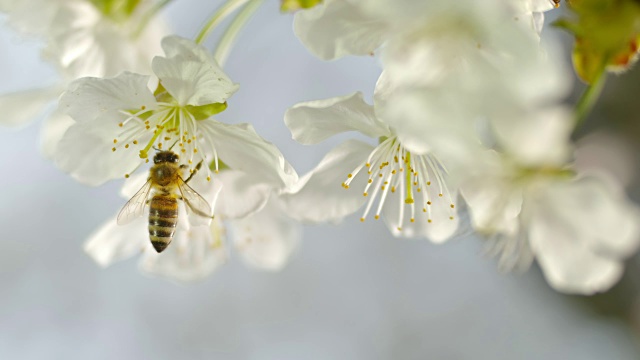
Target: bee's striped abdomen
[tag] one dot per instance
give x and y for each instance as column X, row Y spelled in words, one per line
column 163, row 218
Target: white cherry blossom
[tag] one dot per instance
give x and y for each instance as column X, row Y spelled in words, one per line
column 79, row 41
column 119, row 120
column 406, row 188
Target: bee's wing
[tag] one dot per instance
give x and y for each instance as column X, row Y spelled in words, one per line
column 135, row 206
column 193, row 200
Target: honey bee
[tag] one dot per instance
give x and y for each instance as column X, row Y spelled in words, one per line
column 166, row 185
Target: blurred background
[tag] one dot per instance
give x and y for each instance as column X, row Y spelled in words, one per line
column 351, row 291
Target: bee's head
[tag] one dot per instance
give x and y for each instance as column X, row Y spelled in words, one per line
column 166, row 157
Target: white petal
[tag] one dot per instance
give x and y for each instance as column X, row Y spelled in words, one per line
column 193, row 254
column 520, row 137
column 337, row 28
column 319, row 196
column 87, row 99
column 241, row 194
column 19, row 108
column 606, row 222
column 569, row 265
column 314, row 121
column 53, row 129
column 113, row 242
column 191, row 75
column 85, row 153
column 267, row 238
column 242, row 149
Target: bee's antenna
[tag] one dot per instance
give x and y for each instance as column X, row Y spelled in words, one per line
column 155, row 148
column 174, row 144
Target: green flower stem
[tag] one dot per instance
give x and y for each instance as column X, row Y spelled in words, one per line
column 228, row 38
column 150, row 14
column 589, row 98
column 221, row 13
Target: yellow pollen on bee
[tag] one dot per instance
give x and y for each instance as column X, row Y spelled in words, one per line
column 377, row 217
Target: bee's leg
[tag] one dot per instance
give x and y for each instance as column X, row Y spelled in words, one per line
column 194, row 171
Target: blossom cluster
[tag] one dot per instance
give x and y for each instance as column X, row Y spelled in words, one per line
column 469, row 131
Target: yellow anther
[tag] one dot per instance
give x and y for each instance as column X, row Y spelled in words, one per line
column 368, row 165
column 148, row 127
column 440, row 195
column 146, row 160
column 428, row 182
column 408, row 201
column 113, row 149
column 159, row 145
column 428, row 202
column 115, row 141
column 166, row 138
column 450, row 217
column 452, row 206
column 126, row 146
column 208, row 178
column 365, row 194
column 135, row 142
column 377, row 217
column 126, row 176
column 370, row 181
column 121, row 124
column 429, row 221
column 413, row 220
column 350, row 175
column 424, row 209
column 183, row 150
column 361, row 219
column 142, row 107
column 382, row 187
column 195, row 150
column 399, row 228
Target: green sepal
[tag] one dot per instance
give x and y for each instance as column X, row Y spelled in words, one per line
column 606, row 33
column 293, row 5
column 204, row 112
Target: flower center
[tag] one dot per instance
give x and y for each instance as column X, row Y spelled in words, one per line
column 418, row 179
